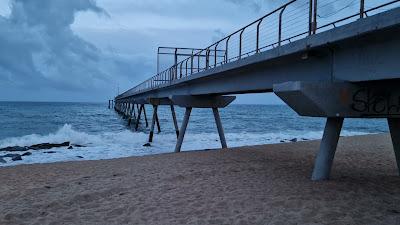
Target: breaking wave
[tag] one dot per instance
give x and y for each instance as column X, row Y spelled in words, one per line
column 125, row 143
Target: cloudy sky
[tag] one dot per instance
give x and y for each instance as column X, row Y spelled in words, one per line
column 83, row 50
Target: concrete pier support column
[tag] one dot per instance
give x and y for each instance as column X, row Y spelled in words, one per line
column 145, row 115
column 158, row 124
column 109, row 104
column 138, row 119
column 326, row 154
column 219, row 127
column 183, row 129
column 174, row 120
column 131, row 114
column 153, row 122
column 126, row 110
column 394, row 127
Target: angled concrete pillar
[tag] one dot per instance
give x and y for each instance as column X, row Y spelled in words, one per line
column 183, row 129
column 145, row 115
column 153, row 121
column 326, row 154
column 131, row 114
column 158, row 124
column 219, row 127
column 189, row 102
column 138, row 119
column 394, row 127
column 174, row 120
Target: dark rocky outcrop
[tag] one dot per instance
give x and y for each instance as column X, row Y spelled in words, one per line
column 78, row 146
column 70, row 147
column 50, row 152
column 27, row 154
column 293, row 140
column 147, row 145
column 81, row 157
column 10, row 155
column 48, row 146
column 14, row 149
column 43, row 146
column 16, row 158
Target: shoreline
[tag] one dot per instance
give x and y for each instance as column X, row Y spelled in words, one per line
column 244, row 185
column 86, row 152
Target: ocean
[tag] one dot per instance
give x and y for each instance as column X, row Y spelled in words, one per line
column 106, row 135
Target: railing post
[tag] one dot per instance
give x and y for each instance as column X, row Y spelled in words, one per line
column 362, row 8
column 258, row 37
column 215, row 54
column 181, row 70
column 310, row 18
column 226, row 49
column 315, row 16
column 207, row 58
column 186, row 67
column 280, row 26
column 198, row 61
column 191, row 63
column 240, row 44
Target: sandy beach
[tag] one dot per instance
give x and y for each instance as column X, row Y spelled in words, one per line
column 267, row 184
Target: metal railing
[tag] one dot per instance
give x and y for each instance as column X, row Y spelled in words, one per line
column 281, row 26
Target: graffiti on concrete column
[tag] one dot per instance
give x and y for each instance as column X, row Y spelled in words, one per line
column 370, row 101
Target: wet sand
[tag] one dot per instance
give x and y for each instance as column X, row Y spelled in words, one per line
column 250, row 185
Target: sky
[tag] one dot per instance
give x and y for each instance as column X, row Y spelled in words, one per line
column 87, row 50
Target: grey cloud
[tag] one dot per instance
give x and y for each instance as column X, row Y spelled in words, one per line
column 39, row 49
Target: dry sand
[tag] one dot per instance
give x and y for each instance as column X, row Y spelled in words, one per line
column 250, row 185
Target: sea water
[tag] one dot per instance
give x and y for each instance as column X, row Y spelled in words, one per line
column 106, row 134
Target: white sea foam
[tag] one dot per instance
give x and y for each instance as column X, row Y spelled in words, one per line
column 126, row 143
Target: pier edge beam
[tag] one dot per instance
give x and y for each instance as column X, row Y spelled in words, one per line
column 153, row 122
column 219, row 127
column 326, row 154
column 183, row 129
column 394, row 127
column 175, row 121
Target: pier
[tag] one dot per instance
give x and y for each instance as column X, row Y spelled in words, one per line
column 346, row 68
